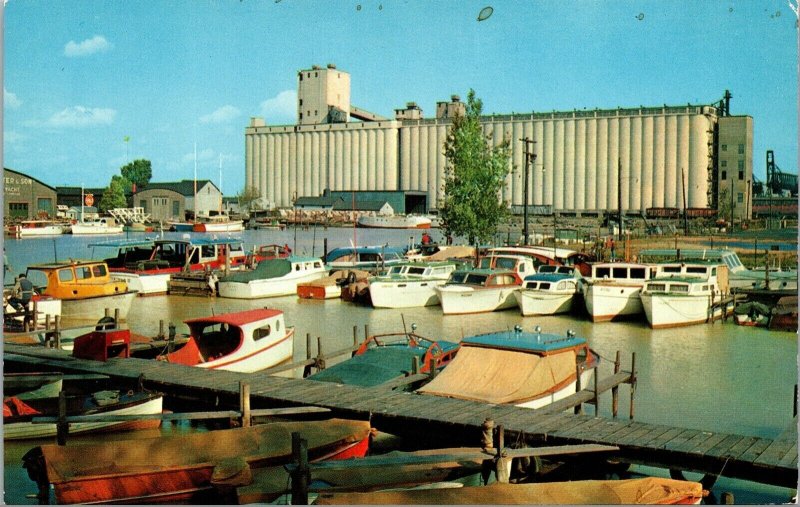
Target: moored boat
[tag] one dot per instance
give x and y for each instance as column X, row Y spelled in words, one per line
column 18, row 414
column 394, row 222
column 184, row 467
column 385, row 357
column 547, row 293
column 217, row 223
column 27, row 386
column 85, row 288
column 245, row 341
column 681, row 294
column 102, row 225
column 519, row 368
column 367, row 258
column 409, row 285
column 35, row 228
column 612, row 290
column 478, row 290
column 272, row 277
column 646, row 491
column 330, row 287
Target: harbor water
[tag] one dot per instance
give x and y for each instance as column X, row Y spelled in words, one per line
column 714, row 377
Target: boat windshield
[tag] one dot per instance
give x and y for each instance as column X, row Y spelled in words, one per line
column 458, row 277
column 37, row 278
column 216, row 340
column 476, row 279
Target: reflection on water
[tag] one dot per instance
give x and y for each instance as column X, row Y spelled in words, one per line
column 720, row 377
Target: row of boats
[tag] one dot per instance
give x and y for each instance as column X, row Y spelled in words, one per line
column 105, row 226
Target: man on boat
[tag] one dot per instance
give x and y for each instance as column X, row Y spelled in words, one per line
column 426, row 238
column 22, row 292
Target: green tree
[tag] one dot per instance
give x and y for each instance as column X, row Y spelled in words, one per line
column 124, row 183
column 475, row 171
column 248, row 198
column 113, row 196
column 138, row 173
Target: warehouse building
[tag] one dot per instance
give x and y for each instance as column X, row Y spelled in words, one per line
column 26, row 197
column 586, row 161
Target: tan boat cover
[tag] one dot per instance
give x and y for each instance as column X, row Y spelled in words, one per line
column 502, row 376
column 453, row 252
column 261, row 444
column 651, row 490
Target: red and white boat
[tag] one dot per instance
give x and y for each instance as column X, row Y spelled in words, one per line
column 185, row 468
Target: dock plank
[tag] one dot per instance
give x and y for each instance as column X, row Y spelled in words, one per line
column 705, row 447
column 696, row 440
column 723, row 449
column 755, row 450
column 774, row 452
column 789, row 459
column 681, row 439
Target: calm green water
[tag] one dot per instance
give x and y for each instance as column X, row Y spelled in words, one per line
column 719, row 378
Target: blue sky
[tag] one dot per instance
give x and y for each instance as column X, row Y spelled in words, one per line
column 80, row 76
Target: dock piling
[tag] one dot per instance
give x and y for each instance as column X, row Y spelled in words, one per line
column 116, row 318
column 320, row 364
column 432, row 365
column 57, row 333
column 415, row 366
column 171, row 341
column 161, row 329
column 244, row 403
column 596, row 393
column 615, row 389
column 578, row 387
column 301, row 474
column 62, row 426
column 727, row 498
column 633, row 382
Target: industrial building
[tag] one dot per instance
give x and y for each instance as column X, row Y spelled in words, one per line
column 26, row 197
column 586, row 161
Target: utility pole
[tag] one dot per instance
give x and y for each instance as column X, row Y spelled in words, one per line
column 530, row 157
column 619, row 198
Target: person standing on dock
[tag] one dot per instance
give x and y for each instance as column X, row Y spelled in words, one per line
column 22, row 293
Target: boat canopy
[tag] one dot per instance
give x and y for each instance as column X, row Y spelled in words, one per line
column 124, row 243
column 266, row 269
column 340, row 252
column 547, row 277
column 237, row 318
column 202, row 241
column 530, row 342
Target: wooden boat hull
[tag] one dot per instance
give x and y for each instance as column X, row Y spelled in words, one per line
column 535, row 302
column 606, row 302
column 459, row 299
column 406, row 293
column 143, row 283
column 312, row 290
column 93, row 308
column 169, row 469
column 665, row 310
column 270, row 287
column 137, row 405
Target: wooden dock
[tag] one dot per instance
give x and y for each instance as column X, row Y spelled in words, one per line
column 446, row 420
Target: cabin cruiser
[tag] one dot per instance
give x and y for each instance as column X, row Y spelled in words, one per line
column 547, row 293
column 272, row 277
column 478, row 290
column 35, row 228
column 369, row 258
column 612, row 289
column 409, row 285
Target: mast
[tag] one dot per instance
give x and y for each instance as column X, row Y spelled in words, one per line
column 194, row 203
column 220, row 183
column 82, row 198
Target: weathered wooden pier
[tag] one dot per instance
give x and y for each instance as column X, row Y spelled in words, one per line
column 446, row 420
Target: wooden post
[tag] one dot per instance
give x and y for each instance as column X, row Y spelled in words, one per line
column 727, row 498
column 324, row 247
column 633, row 381
column 107, row 312
column 596, row 394
column 62, row 426
column 161, row 329
column 307, row 368
column 366, row 331
column 57, row 334
column 578, row 381
column 47, row 322
column 320, row 358
column 502, row 469
column 35, row 322
column 244, row 403
column 415, row 368
column 615, row 390
column 171, row 340
column 794, row 399
column 116, row 318
column 301, row 474
column 355, row 340
column 432, row 371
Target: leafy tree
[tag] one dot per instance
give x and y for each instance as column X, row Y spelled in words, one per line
column 126, row 184
column 724, row 205
column 113, row 196
column 475, row 172
column 248, row 198
column 138, row 173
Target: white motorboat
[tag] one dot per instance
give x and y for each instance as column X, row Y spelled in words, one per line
column 272, row 277
column 99, row 226
column 547, row 293
column 35, row 228
column 682, row 294
column 394, row 222
column 217, row 223
column 519, row 368
column 478, row 291
column 612, row 290
column 410, row 285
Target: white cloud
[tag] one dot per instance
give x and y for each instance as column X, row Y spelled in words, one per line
column 79, row 116
column 282, row 107
column 222, row 115
column 10, row 100
column 96, row 44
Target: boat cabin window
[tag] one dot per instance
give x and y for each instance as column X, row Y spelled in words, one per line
column 548, row 269
column 317, row 264
column 475, row 279
column 395, row 270
column 209, row 252
column 531, row 285
column 486, row 263
column 65, row 275
column 277, row 325
column 297, row 267
column 696, row 269
column 262, row 332
column 714, row 271
column 502, row 280
column 561, row 286
column 679, row 288
column 602, row 272
column 657, row 287
column 236, row 249
column 369, row 257
column 544, row 286
column 217, row 340
column 505, row 263
column 705, row 287
column 98, row 270
column 458, row 277
column 620, row 272
column 671, row 269
column 638, row 273
column 83, row 272
column 416, row 271
column 39, row 278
